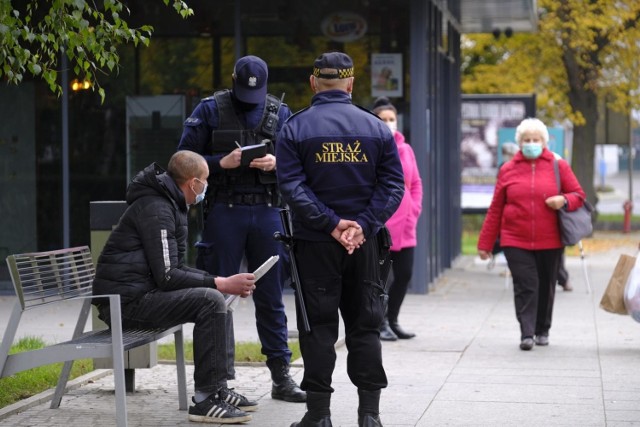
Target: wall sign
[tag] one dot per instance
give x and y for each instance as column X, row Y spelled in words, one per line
column 344, row 26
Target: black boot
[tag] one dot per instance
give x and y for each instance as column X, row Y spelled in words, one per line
column 318, row 411
column 368, row 409
column 400, row 333
column 284, row 387
column 386, row 334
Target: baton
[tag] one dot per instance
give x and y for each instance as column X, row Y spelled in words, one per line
column 286, row 239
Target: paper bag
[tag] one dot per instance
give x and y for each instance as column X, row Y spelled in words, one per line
column 613, row 297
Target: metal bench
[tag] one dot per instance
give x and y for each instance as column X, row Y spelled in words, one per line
column 51, row 277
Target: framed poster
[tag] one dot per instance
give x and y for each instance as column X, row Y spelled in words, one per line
column 386, row 75
column 482, row 118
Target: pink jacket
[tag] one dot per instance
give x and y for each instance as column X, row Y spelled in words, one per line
column 402, row 223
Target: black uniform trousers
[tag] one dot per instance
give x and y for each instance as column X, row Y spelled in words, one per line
column 333, row 280
column 534, row 287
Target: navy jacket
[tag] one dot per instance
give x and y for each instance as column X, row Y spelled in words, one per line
column 196, row 135
column 146, row 250
column 337, row 160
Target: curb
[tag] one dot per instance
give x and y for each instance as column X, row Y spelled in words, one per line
column 47, row 395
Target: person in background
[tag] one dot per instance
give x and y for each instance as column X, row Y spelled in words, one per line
column 508, row 149
column 523, row 213
column 402, row 225
column 242, row 205
column 340, row 174
column 144, row 262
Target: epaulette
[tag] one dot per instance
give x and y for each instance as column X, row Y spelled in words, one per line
column 367, row 110
column 296, row 113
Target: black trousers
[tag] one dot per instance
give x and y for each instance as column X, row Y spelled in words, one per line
column 206, row 308
column 402, row 270
column 563, row 274
column 332, row 281
column 534, row 287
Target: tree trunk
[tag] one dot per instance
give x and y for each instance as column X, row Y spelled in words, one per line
column 584, row 100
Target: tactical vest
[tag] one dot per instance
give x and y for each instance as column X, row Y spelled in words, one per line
column 231, row 131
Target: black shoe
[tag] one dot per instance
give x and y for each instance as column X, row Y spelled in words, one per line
column 526, row 344
column 307, row 422
column 369, row 420
column 386, row 334
column 216, row 411
column 400, row 333
column 542, row 340
column 284, row 387
column 236, row 399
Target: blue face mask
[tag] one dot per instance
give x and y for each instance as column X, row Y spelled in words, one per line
column 532, row 150
column 200, row 197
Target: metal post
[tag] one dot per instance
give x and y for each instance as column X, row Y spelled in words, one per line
column 65, row 149
column 237, row 30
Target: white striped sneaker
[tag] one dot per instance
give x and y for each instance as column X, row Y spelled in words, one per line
column 236, row 399
column 212, row 410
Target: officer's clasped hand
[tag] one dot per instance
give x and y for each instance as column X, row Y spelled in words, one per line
column 349, row 234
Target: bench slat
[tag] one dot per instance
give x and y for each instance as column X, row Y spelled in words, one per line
column 47, row 277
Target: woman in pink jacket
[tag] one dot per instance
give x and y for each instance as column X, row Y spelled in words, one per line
column 523, row 212
column 402, row 226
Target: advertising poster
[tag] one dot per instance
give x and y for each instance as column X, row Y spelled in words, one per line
column 386, row 75
column 482, row 118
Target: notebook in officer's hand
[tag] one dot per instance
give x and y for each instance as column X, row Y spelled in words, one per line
column 250, row 152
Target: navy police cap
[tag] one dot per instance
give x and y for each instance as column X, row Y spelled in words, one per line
column 330, row 61
column 250, row 79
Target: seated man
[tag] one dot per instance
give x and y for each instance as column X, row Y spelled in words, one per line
column 143, row 261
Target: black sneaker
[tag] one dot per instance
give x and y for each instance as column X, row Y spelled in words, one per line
column 236, row 399
column 212, row 410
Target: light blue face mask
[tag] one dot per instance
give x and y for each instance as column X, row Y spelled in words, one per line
column 532, row 150
column 200, row 197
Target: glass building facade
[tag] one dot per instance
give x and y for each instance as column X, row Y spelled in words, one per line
column 407, row 50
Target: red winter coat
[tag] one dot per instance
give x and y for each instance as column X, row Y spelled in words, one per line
column 518, row 213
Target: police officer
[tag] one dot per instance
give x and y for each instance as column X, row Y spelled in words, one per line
column 340, row 174
column 242, row 203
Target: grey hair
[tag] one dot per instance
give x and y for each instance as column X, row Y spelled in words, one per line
column 532, row 125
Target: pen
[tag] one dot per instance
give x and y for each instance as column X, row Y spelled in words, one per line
column 239, row 146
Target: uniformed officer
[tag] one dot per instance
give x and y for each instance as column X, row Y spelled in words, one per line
column 242, row 203
column 340, row 174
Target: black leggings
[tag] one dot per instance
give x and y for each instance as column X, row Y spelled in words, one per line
column 402, row 270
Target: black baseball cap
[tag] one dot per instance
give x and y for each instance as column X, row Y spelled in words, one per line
column 338, row 61
column 250, row 79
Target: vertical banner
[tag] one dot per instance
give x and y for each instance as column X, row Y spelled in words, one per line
column 483, row 117
column 386, row 75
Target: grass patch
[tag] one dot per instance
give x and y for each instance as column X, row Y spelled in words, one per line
column 472, row 223
column 245, row 351
column 33, row 381
column 29, row 383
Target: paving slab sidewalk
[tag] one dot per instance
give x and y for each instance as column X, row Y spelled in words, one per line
column 463, row 369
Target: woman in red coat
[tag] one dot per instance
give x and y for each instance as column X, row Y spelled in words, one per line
column 523, row 213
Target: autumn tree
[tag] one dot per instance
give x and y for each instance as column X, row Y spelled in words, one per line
column 585, row 51
column 34, row 35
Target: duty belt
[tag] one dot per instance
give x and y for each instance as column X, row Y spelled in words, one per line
column 243, row 199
